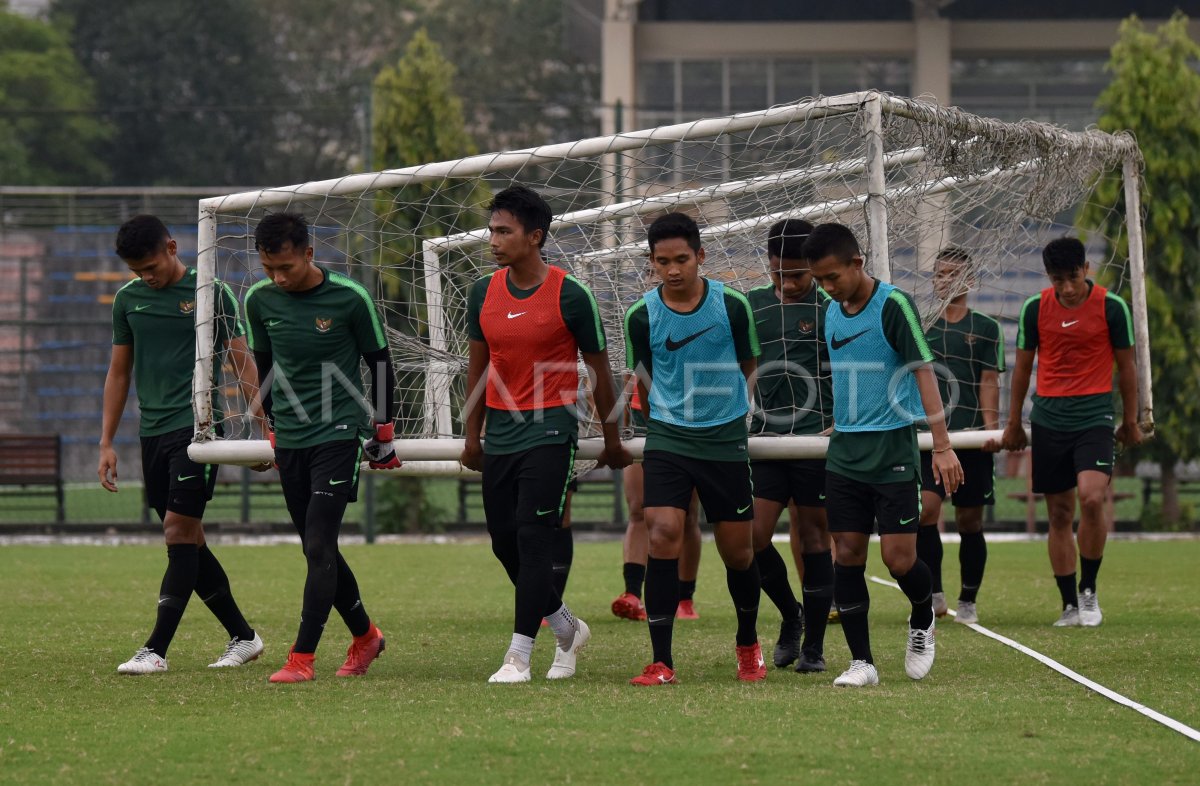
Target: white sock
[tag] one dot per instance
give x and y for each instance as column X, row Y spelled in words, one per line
column 520, row 650
column 562, row 622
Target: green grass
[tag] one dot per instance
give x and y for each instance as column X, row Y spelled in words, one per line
column 986, row 714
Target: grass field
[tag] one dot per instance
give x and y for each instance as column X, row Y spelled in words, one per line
column 986, row 714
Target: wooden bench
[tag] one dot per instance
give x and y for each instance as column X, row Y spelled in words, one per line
column 32, row 463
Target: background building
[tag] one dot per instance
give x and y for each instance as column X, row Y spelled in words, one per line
column 666, row 61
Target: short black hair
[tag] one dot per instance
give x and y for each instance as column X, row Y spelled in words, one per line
column 1064, row 255
column 527, row 206
column 140, row 237
column 831, row 240
column 674, row 225
column 955, row 254
column 275, row 229
column 786, row 238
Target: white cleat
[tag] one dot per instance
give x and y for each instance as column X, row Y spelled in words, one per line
column 239, row 652
column 966, row 614
column 918, row 655
column 1069, row 618
column 859, row 675
column 564, row 660
column 1090, row 615
column 144, row 661
column 512, row 671
column 940, row 609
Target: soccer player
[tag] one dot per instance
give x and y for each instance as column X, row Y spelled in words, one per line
column 154, row 341
column 882, row 384
column 1076, row 329
column 692, row 343
column 309, row 328
column 970, row 347
column 794, row 397
column 528, row 323
column 636, row 543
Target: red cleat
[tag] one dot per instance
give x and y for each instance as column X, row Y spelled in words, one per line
column 686, row 611
column 362, row 651
column 628, row 606
column 751, row 666
column 655, row 674
column 299, row 668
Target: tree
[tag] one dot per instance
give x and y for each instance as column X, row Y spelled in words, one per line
column 190, row 87
column 418, row 119
column 1155, row 92
column 47, row 136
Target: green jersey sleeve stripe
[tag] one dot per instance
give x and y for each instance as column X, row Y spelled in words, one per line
column 1128, row 316
column 600, row 342
column 361, row 291
column 641, row 304
column 914, row 324
column 755, row 349
column 1036, row 302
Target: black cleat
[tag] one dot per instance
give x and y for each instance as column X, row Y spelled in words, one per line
column 787, row 647
column 810, row 662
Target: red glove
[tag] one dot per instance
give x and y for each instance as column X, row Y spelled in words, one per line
column 380, row 450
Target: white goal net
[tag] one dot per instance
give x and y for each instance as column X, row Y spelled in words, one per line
column 909, row 177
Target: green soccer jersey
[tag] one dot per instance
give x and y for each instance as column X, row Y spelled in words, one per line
column 966, row 349
column 892, row 455
column 794, row 389
column 316, row 339
column 512, row 431
column 161, row 326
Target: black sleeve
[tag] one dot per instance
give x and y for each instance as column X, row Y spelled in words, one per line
column 264, row 361
column 383, row 384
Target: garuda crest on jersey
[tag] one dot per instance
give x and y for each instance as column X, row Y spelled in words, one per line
column 806, row 327
column 323, row 325
column 187, row 306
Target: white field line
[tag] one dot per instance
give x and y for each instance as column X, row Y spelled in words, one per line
column 1107, row 693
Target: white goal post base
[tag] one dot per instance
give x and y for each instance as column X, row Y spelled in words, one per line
column 424, row 457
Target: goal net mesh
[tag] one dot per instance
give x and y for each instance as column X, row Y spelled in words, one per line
column 417, row 239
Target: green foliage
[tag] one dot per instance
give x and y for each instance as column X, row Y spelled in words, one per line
column 404, row 504
column 191, row 88
column 47, row 136
column 418, row 119
column 1155, row 93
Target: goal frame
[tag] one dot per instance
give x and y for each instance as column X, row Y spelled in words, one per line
column 441, row 453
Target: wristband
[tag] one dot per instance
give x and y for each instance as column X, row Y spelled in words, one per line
column 385, row 432
column 943, row 450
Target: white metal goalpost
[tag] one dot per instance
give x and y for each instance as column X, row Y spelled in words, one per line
column 907, row 175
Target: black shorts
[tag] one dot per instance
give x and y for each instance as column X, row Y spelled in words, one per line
column 979, row 478
column 172, row 480
column 529, row 487
column 1059, row 456
column 854, row 506
column 801, row 480
column 724, row 487
column 329, row 469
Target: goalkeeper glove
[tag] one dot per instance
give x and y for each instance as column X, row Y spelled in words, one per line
column 379, row 450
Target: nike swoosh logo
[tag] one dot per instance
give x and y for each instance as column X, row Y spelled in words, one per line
column 141, row 307
column 273, row 322
column 850, row 609
column 546, row 512
column 338, row 482
column 907, row 521
column 181, row 478
column 838, row 343
column 820, row 496
column 1068, row 324
column 1103, row 463
column 511, row 315
column 743, row 510
column 673, row 345
column 658, row 620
